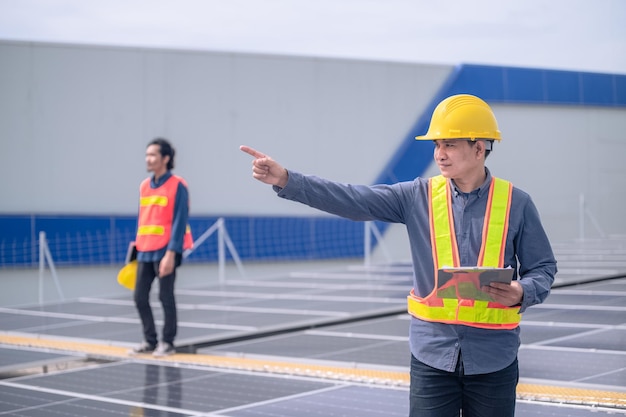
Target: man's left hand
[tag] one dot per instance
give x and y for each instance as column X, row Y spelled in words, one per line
column 505, row 294
column 166, row 266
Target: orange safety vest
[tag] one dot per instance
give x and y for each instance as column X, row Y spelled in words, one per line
column 156, row 213
column 481, row 313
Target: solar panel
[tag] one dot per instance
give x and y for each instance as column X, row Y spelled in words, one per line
column 576, row 338
column 15, row 359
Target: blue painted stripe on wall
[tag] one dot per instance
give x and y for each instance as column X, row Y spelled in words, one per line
column 103, row 239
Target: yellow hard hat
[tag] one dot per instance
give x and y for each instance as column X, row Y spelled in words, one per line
column 128, row 275
column 462, row 116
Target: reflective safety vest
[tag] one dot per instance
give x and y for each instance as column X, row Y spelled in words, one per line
column 156, row 213
column 473, row 312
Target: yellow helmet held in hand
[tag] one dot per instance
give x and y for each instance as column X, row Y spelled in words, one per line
column 462, row 116
column 128, row 275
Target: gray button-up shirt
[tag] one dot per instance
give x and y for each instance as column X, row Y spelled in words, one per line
column 528, row 252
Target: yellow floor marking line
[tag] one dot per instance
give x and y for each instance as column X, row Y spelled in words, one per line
column 65, row 345
column 248, row 364
column 570, row 395
column 532, row 392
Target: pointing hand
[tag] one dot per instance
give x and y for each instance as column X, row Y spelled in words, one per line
column 265, row 169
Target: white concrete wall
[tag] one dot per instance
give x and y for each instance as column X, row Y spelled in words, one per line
column 75, row 121
column 557, row 154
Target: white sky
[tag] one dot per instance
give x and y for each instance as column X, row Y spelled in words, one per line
column 583, row 35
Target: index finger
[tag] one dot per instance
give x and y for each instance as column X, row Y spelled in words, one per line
column 253, row 152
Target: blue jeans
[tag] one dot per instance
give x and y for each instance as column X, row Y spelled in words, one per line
column 436, row 393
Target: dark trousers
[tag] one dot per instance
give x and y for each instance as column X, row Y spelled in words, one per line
column 146, row 273
column 436, row 393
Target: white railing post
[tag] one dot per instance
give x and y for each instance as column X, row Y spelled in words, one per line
column 223, row 242
column 221, row 255
column 371, row 229
column 584, row 211
column 232, row 250
column 42, row 264
column 581, row 216
column 367, row 245
column 45, row 255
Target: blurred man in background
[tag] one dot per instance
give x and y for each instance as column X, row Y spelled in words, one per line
column 162, row 236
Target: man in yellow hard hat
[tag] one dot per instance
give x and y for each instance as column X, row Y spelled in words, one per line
column 463, row 347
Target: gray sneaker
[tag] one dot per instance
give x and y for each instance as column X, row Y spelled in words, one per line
column 164, row 349
column 144, row 347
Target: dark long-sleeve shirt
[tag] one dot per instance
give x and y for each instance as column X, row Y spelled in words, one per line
column 179, row 222
column 527, row 251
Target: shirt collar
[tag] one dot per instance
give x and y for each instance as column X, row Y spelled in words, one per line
column 161, row 180
column 484, row 187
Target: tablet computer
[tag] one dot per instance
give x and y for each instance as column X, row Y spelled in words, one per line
column 485, row 275
column 466, row 282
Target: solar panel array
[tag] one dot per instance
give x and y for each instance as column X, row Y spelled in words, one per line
column 351, row 318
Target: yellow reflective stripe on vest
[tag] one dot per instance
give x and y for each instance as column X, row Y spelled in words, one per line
column 496, row 224
column 150, row 230
column 445, row 251
column 153, row 200
column 445, row 313
column 480, row 313
column 477, row 315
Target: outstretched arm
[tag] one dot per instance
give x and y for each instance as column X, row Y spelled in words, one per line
column 356, row 202
column 265, row 169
